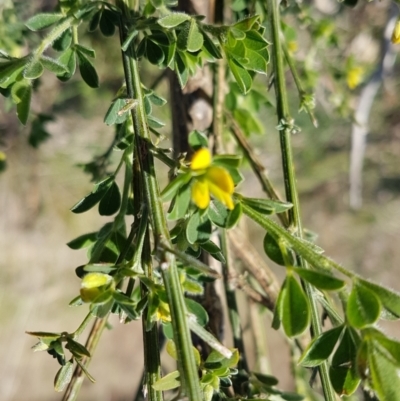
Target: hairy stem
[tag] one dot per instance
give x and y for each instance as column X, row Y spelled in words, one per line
column 285, row 130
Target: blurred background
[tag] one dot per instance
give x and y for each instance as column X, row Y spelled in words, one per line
column 40, row 184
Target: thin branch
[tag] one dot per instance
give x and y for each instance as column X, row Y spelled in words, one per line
column 256, row 165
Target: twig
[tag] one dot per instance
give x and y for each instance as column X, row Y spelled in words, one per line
column 255, row 265
column 256, row 165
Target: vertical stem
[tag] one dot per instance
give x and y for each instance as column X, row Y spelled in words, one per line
column 285, row 123
column 150, row 338
column 152, row 199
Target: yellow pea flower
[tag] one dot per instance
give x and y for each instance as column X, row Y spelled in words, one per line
column 354, row 77
column 210, row 180
column 93, row 285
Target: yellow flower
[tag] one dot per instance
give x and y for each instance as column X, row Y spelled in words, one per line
column 210, row 180
column 93, row 285
column 396, row 33
column 354, row 77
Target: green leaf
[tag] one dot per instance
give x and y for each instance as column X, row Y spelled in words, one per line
column 247, row 23
column 10, row 70
column 67, row 59
column 172, row 20
column 77, row 350
column 63, row 42
column 53, row 65
column 210, row 47
column 41, row 21
column 392, row 347
column 216, row 360
column 114, row 115
column 227, row 161
column 155, row 122
column 83, row 241
column 343, row 372
column 171, row 190
column 180, row 203
column 268, row 380
column 44, row 334
column 363, row 307
column 266, row 206
column 344, row 380
column 255, row 41
column 197, row 310
column 94, row 197
column 94, row 22
column 197, row 140
column 320, row 280
column 88, row 72
column 384, row 375
column 107, row 26
column 242, row 77
column 87, row 374
column 195, row 38
column 168, row 382
column 197, row 229
column 257, row 60
column 63, row 376
column 21, row 93
column 213, row 250
column 181, row 69
column 273, row 250
column 87, row 51
column 320, row 348
column 154, row 53
column 234, row 215
column 33, row 70
column 111, row 201
column 389, row 298
column 98, row 268
column 171, row 349
column 218, row 213
column 295, row 308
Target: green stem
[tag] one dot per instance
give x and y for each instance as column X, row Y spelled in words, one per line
column 278, row 232
column 54, row 34
column 285, row 130
column 187, row 365
column 302, row 93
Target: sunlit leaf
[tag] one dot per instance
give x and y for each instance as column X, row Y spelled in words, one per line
column 363, row 307
column 172, row 20
column 320, row 280
column 295, row 308
column 41, row 21
column 168, row 382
